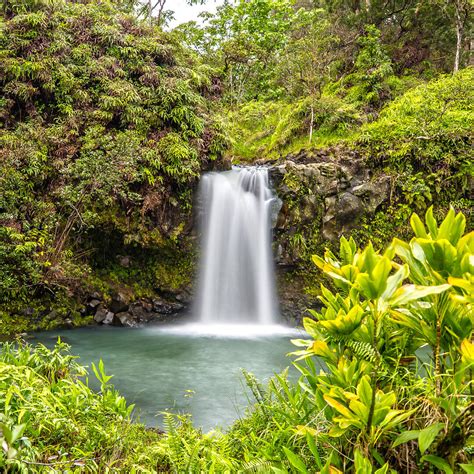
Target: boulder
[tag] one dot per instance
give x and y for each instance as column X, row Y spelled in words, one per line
column 125, row 319
column 109, row 318
column 100, row 314
column 90, row 307
column 139, row 313
column 68, row 323
column 373, row 193
column 119, row 303
column 93, row 303
column 165, row 307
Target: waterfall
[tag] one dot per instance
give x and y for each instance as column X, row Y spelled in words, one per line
column 236, row 283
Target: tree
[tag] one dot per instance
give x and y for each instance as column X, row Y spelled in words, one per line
column 305, row 62
column 462, row 11
column 244, row 41
column 157, row 7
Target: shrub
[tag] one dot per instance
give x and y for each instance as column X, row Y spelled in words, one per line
column 429, row 129
column 51, row 419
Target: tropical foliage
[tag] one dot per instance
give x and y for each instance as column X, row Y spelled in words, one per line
column 104, row 130
column 106, row 123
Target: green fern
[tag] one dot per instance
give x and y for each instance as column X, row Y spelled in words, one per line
column 363, row 350
column 256, row 466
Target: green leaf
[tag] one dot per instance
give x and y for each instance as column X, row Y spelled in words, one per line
column 431, row 223
column 364, row 390
column 405, row 437
column 438, row 462
column 314, row 450
column 418, row 226
column 395, row 280
column 17, row 431
column 428, row 435
column 447, row 225
column 361, row 463
column 469, row 468
column 408, row 293
column 295, row 460
column 440, row 254
column 380, row 274
column 11, row 453
column 347, row 250
column 343, row 410
column 7, row 433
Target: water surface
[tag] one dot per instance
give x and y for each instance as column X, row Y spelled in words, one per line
column 181, row 369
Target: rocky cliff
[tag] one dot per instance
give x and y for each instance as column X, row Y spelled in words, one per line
column 324, row 194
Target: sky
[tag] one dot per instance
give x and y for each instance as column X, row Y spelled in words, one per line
column 184, row 13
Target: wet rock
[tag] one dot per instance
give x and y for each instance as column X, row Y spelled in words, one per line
column 165, row 307
column 109, row 318
column 90, row 307
column 100, row 314
column 93, row 303
column 119, row 303
column 125, row 319
column 185, row 298
column 139, row 313
column 68, row 324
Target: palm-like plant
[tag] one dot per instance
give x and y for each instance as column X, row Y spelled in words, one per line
column 388, row 305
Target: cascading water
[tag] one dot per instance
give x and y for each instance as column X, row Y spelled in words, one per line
column 236, row 280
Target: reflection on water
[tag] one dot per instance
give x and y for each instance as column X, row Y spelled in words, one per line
column 162, row 369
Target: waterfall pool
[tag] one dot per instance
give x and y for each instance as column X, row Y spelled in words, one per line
column 196, row 368
column 182, row 369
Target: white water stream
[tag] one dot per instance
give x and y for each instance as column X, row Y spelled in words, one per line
column 236, row 283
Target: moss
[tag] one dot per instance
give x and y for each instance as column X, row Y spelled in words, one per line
column 41, row 314
column 383, row 226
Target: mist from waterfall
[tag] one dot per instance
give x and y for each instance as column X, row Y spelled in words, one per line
column 236, row 282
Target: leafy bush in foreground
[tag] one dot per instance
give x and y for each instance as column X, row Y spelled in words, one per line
column 415, row 296
column 50, row 419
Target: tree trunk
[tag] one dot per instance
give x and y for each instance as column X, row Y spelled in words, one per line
column 459, row 34
column 311, row 125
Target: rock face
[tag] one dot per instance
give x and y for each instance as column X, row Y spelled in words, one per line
column 332, row 193
column 324, row 194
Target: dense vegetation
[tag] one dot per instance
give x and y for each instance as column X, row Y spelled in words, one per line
column 375, row 78
column 313, row 72
column 380, row 405
column 105, row 129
